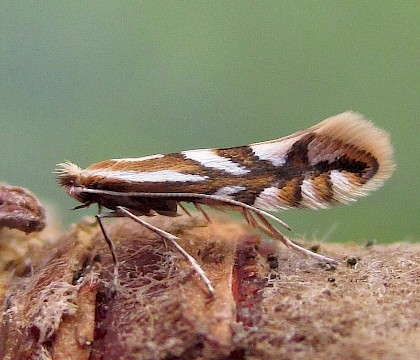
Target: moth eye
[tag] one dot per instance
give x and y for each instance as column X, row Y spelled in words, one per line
column 69, row 182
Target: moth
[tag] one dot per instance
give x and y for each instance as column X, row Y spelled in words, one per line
column 335, row 161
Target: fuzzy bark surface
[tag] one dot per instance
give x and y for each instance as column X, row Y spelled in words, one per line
column 270, row 303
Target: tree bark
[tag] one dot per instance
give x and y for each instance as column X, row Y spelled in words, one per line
column 270, row 303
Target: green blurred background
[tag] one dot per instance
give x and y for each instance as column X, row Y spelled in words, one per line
column 86, row 81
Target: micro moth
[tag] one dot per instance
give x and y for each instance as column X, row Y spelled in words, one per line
column 335, row 161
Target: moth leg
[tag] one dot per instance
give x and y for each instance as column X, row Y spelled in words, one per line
column 109, row 241
column 173, row 240
column 211, row 200
column 184, row 209
column 248, row 210
column 249, row 218
column 267, row 227
column 271, row 230
column 200, row 209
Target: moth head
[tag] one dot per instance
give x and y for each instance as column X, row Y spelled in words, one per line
column 68, row 176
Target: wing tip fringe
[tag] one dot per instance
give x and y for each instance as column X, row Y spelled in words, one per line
column 352, row 127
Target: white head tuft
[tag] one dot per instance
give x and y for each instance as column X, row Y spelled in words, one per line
column 67, row 173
